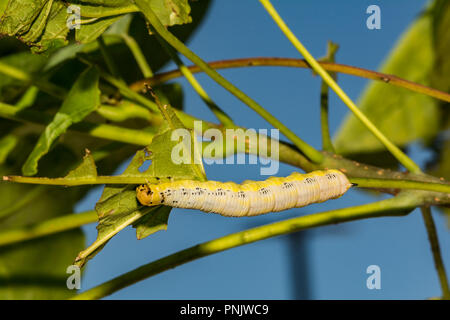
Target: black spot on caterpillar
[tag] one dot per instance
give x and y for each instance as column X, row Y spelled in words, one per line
column 250, row 198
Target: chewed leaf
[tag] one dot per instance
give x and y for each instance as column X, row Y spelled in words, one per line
column 173, row 145
column 118, row 206
column 83, row 98
column 87, row 168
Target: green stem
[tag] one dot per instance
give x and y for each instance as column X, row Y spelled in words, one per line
column 138, row 55
column 394, row 206
column 400, row 184
column 218, row 112
column 309, row 151
column 80, row 181
column 42, row 84
column 55, row 225
column 104, row 131
column 298, row 63
column 93, row 11
column 361, row 182
column 327, row 144
column 127, row 110
column 435, row 249
column 395, row 151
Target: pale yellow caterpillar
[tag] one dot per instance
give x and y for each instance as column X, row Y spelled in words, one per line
column 250, row 198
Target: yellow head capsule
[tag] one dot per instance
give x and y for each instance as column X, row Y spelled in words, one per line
column 148, row 196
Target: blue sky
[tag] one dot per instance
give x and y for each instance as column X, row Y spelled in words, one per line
column 325, row 263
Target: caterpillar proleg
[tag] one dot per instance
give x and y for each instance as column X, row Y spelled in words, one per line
column 250, row 198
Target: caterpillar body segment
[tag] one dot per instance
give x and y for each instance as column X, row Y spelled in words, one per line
column 250, row 198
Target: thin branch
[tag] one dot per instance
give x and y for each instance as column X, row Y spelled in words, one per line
column 361, row 182
column 127, row 110
column 327, row 144
column 402, row 184
column 138, row 55
column 108, row 11
column 298, row 63
column 81, row 181
column 399, row 205
column 435, row 249
column 313, row 154
column 218, row 112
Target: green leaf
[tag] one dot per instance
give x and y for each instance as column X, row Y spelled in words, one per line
column 135, row 26
column 83, row 98
column 118, row 206
column 441, row 40
column 43, row 24
column 40, row 24
column 171, row 12
column 403, row 116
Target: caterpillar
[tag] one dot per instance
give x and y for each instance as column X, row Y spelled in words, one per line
column 250, row 198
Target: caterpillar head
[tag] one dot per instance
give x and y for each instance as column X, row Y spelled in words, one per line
column 147, row 196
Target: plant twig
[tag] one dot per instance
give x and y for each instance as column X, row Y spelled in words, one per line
column 104, row 131
column 327, row 144
column 361, row 182
column 218, row 112
column 401, row 184
column 298, row 63
column 138, row 55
